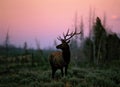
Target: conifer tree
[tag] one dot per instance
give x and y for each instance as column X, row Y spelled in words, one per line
column 99, row 40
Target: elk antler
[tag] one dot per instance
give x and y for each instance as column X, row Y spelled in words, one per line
column 60, row 38
column 69, row 35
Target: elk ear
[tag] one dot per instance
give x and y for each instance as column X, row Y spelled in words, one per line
column 68, row 41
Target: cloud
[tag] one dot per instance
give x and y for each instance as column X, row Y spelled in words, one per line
column 115, row 17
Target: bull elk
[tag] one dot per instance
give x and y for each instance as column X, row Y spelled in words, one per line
column 61, row 59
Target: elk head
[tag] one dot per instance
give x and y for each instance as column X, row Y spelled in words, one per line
column 66, row 39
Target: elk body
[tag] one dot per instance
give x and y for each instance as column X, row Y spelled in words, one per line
column 61, row 59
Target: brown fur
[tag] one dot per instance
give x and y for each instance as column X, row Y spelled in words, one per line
column 56, row 59
column 60, row 59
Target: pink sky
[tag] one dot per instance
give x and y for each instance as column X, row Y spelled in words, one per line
column 46, row 19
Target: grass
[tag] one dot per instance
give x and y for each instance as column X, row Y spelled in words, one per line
column 77, row 77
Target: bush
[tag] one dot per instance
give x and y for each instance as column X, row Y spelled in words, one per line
column 74, row 81
column 53, row 84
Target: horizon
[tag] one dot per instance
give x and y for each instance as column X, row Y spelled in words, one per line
column 45, row 20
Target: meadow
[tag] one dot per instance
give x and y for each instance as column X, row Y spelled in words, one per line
column 83, row 75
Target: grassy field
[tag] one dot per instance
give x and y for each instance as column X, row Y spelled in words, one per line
column 27, row 76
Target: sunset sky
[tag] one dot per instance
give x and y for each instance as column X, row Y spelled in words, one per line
column 44, row 20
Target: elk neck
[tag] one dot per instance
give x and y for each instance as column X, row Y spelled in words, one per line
column 66, row 55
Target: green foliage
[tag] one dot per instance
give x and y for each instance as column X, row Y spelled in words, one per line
column 113, row 47
column 77, row 77
column 88, row 50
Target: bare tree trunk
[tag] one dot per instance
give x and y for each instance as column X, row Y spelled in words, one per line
column 94, row 52
column 99, row 52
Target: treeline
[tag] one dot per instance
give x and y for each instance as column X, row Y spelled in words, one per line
column 100, row 47
column 12, row 55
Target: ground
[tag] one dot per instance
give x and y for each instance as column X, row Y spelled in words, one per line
column 37, row 76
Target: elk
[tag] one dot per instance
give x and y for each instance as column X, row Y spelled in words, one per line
column 61, row 59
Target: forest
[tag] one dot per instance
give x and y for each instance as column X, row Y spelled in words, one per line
column 95, row 61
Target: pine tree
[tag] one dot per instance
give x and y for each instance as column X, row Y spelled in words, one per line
column 99, row 40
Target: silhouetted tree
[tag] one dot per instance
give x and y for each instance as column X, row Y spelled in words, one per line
column 113, row 47
column 39, row 53
column 82, row 29
column 55, row 43
column 25, row 48
column 88, row 50
column 38, row 47
column 91, row 20
column 7, row 42
column 99, row 41
column 104, row 20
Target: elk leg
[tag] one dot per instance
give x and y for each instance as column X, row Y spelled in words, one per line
column 53, row 72
column 66, row 67
column 62, row 72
